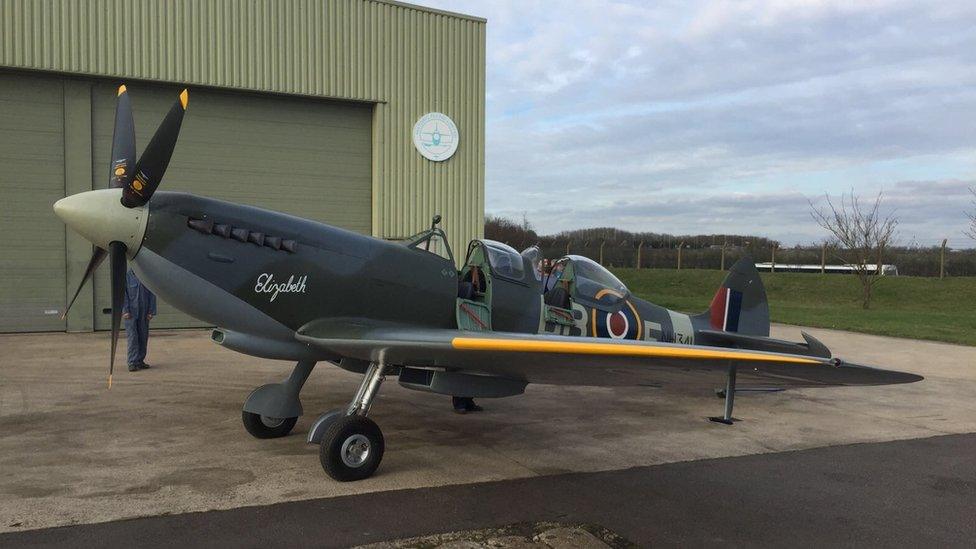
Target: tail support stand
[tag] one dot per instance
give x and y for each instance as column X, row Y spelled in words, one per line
column 727, row 419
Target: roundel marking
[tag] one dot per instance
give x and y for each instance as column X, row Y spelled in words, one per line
column 624, row 323
column 617, row 325
column 610, row 326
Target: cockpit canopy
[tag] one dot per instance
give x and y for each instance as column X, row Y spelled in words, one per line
column 591, row 283
column 504, row 260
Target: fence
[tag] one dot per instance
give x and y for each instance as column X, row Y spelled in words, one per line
column 931, row 262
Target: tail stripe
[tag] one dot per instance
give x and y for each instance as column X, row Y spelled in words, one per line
column 732, row 311
column 725, row 310
column 717, row 309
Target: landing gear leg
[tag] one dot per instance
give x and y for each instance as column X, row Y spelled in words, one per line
column 272, row 410
column 350, row 444
column 727, row 419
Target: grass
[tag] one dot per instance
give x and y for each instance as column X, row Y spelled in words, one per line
column 904, row 306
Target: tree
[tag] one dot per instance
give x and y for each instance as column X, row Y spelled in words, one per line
column 860, row 233
column 519, row 235
column 971, row 231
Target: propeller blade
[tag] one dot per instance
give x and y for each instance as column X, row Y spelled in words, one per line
column 123, row 158
column 123, row 142
column 117, row 252
column 93, row 263
column 152, row 164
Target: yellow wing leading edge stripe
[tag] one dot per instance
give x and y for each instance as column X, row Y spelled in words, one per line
column 615, row 349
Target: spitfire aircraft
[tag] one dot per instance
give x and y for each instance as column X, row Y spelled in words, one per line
column 281, row 287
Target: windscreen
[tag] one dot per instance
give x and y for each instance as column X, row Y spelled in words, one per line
column 431, row 241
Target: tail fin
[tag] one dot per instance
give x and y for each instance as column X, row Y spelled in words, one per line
column 740, row 303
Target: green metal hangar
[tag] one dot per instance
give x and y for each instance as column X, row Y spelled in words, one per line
column 365, row 114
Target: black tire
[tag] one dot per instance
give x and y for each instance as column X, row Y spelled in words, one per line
column 351, row 430
column 263, row 427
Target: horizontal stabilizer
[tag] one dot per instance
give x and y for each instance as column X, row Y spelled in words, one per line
column 815, row 346
column 812, row 347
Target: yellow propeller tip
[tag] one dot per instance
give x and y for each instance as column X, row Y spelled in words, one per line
column 184, row 98
column 121, row 89
column 110, row 381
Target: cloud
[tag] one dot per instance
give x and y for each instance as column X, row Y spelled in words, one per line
column 717, row 116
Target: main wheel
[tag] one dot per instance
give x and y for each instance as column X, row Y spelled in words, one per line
column 351, row 448
column 267, row 427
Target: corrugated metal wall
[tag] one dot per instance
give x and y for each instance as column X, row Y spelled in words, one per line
column 408, row 60
column 32, row 170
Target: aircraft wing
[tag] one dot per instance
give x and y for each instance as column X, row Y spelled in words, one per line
column 565, row 360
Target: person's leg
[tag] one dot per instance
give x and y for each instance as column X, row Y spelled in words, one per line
column 143, row 339
column 471, row 406
column 132, row 342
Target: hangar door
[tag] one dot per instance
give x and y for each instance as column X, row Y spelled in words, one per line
column 305, row 157
column 32, row 253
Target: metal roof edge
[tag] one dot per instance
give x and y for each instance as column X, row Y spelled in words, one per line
column 432, row 10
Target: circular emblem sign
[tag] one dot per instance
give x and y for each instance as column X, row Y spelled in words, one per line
column 435, row 136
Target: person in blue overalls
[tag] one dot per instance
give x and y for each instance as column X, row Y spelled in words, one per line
column 138, row 308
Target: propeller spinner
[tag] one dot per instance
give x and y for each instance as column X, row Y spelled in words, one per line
column 115, row 222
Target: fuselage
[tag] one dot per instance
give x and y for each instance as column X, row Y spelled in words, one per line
column 624, row 316
column 263, row 275
column 237, row 252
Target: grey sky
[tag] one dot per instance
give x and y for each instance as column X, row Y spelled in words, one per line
column 717, row 116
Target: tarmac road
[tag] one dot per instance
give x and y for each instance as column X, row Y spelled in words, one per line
column 914, row 493
column 169, row 440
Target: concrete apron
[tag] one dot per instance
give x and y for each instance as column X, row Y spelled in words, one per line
column 170, row 439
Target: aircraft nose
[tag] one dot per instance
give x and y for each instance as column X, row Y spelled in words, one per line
column 100, row 217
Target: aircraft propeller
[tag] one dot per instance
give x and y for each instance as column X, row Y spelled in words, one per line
column 152, row 164
column 138, row 183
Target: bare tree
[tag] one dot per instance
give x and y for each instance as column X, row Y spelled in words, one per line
column 514, row 233
column 860, row 233
column 971, row 230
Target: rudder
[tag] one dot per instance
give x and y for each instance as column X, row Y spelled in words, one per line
column 740, row 303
